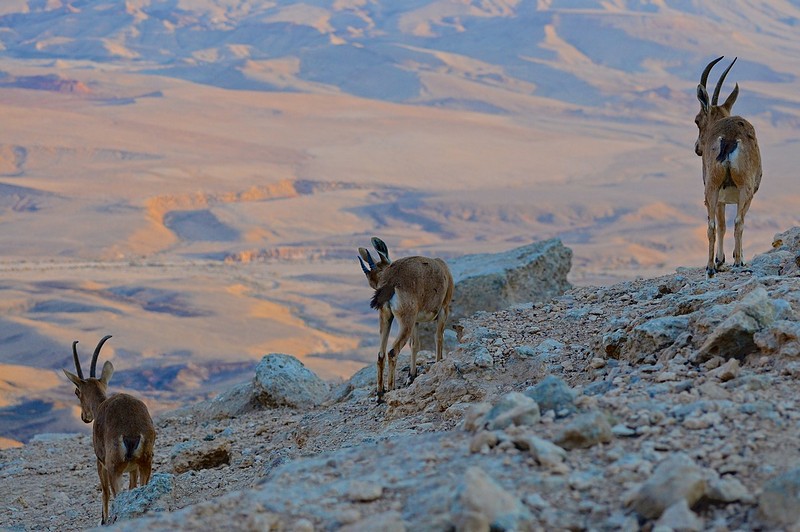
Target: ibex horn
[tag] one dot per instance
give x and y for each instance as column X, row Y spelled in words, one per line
column 363, row 266
column 707, row 71
column 96, row 354
column 721, row 81
column 75, row 358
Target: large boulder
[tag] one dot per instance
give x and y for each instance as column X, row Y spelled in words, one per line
column 282, row 380
column 494, row 281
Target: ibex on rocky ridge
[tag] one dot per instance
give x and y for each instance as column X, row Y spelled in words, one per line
column 412, row 289
column 731, row 166
column 123, row 434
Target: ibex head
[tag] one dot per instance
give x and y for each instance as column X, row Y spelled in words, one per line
column 92, row 391
column 711, row 112
column 373, row 272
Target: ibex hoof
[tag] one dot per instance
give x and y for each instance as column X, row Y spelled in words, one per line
column 380, row 397
column 710, row 271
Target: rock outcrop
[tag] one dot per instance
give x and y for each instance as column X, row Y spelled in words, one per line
column 494, row 281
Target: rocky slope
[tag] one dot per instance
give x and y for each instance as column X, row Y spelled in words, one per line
column 665, row 403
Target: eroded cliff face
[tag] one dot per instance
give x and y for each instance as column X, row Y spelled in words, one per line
column 668, row 401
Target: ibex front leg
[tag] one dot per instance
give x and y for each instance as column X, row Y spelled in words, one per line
column 386, row 319
column 720, row 260
column 441, row 321
column 712, row 198
column 412, row 372
column 407, row 324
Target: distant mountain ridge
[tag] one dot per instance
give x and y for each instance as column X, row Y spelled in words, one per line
column 602, row 56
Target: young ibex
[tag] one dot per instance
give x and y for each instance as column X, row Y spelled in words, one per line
column 412, row 289
column 123, row 434
column 731, row 166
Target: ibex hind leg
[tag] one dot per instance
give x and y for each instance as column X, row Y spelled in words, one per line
column 412, row 368
column 406, row 330
column 106, row 489
column 712, row 197
column 720, row 259
column 741, row 211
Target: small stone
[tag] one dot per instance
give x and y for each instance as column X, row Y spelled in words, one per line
column 597, row 363
column 585, row 431
column 544, row 452
column 474, row 417
column 727, row 489
column 680, row 517
column 483, row 358
column 779, row 502
column 483, row 441
column 704, row 421
column 666, row 376
column 623, row 431
column 482, row 504
column 390, row 521
column 676, row 478
column 364, row 491
column 728, row 371
column 513, row 408
column 553, row 394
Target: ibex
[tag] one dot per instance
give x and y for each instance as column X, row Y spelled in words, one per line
column 123, row 434
column 411, row 289
column 731, row 166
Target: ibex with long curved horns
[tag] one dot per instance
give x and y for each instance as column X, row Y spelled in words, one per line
column 412, row 289
column 123, row 434
column 731, row 166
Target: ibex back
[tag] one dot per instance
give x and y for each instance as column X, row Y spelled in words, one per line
column 412, row 289
column 123, row 434
column 731, row 166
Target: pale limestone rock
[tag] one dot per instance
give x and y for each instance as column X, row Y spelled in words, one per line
column 513, row 408
column 481, row 504
column 282, row 380
column 195, row 455
column 726, row 372
column 782, row 338
column 676, row 478
column 156, row 496
column 364, row 491
column 779, row 502
column 733, row 338
column 390, row 521
column 679, row 518
column 544, row 452
column 474, row 418
column 585, row 430
column 727, row 489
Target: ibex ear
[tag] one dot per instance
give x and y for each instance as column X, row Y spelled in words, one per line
column 73, row 378
column 702, row 96
column 380, row 247
column 108, row 370
column 728, row 105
